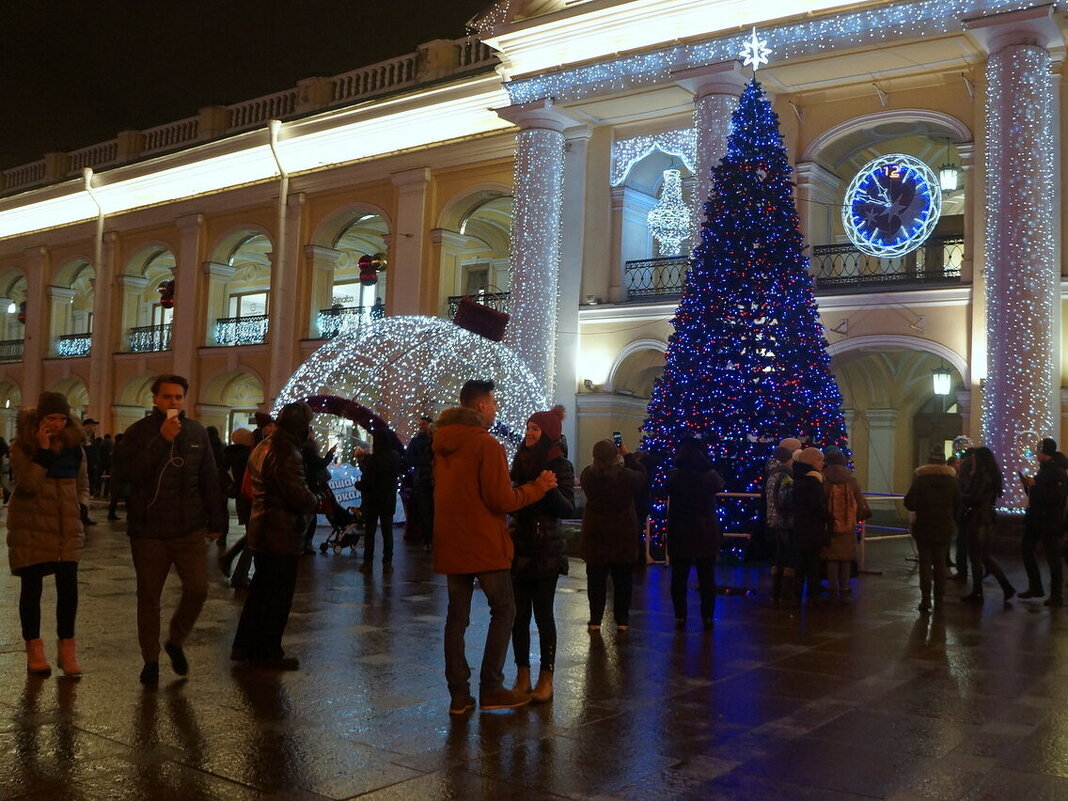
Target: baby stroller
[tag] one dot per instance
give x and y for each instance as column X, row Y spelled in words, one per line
column 346, row 525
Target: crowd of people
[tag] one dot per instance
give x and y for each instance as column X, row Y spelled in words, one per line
column 490, row 524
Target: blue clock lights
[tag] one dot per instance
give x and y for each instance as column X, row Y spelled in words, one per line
column 892, row 205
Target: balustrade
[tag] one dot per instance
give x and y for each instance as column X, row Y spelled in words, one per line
column 494, row 300
column 251, row 330
column 11, row 351
column 71, row 346
column 150, row 338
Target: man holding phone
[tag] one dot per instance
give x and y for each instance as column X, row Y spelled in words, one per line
column 174, row 503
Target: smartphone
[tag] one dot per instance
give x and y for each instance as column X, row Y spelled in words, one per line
column 171, row 413
column 617, row 438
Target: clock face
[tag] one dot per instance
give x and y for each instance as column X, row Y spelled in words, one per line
column 892, row 205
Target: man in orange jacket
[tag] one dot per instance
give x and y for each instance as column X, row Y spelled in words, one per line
column 472, row 495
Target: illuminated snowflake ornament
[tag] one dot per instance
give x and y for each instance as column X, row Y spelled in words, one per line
column 405, row 367
column 755, row 52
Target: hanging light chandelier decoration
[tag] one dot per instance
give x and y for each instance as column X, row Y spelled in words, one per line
column 670, row 221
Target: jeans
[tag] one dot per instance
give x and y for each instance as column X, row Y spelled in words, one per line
column 932, row 566
column 372, row 516
column 266, row 610
column 1051, row 543
column 706, row 583
column 497, row 585
column 32, row 578
column 597, row 590
column 152, row 563
column 534, row 595
column 979, row 546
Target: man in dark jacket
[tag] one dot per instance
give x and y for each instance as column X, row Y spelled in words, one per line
column 174, row 503
column 282, row 503
column 811, row 520
column 379, row 473
column 934, row 497
column 1044, row 522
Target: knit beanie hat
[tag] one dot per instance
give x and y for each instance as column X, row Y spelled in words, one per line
column 793, row 443
column 1048, row 447
column 605, row 453
column 833, row 455
column 52, row 403
column 551, row 422
column 809, row 456
column 936, row 455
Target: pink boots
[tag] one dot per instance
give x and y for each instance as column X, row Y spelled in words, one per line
column 36, row 663
column 68, row 659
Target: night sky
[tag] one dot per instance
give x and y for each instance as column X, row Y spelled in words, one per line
column 76, row 72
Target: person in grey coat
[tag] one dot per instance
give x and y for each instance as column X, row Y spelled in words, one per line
column 934, row 498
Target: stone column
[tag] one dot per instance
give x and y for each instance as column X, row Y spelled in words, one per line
column 819, row 199
column 1021, row 400
column 59, row 300
column 101, row 365
column 133, row 290
column 283, row 307
column 882, row 424
column 538, row 192
column 185, row 336
column 447, row 248
column 35, row 331
column 404, row 275
column 572, row 241
column 716, row 90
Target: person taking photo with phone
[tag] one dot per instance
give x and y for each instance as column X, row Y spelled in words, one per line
column 175, row 503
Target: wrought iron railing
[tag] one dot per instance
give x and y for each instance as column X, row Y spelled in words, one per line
column 10, row 351
column 650, row 279
column 340, row 320
column 937, row 261
column 150, row 338
column 494, row 300
column 71, row 346
column 250, row 330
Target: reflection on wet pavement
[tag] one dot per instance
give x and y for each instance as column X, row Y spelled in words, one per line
column 829, row 702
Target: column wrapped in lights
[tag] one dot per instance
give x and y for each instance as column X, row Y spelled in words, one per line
column 535, row 248
column 1022, row 277
column 670, row 221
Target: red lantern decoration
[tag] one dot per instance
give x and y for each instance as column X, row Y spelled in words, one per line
column 370, row 267
column 166, row 294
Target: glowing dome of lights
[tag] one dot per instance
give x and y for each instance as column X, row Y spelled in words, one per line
column 405, row 367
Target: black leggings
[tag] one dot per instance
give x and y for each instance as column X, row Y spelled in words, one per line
column 534, row 595
column 66, row 598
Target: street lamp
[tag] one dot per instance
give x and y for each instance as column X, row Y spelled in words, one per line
column 943, row 381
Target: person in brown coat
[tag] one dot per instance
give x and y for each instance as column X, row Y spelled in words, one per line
column 44, row 527
column 847, row 507
column 609, row 547
column 472, row 495
column 933, row 498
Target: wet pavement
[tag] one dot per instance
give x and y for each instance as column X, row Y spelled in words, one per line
column 869, row 700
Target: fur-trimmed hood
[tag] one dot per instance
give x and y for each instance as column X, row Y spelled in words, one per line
column 71, row 436
column 935, row 470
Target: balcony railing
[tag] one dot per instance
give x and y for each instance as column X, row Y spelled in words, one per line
column 494, row 300
column 150, row 338
column 340, row 320
column 71, row 346
column 654, row 279
column 10, row 351
column 937, row 261
column 241, row 330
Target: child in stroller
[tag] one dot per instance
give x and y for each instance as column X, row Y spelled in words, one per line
column 346, row 525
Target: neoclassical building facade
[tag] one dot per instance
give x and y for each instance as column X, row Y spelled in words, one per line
column 521, row 165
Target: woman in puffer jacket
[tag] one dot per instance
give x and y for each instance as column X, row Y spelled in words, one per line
column 44, row 525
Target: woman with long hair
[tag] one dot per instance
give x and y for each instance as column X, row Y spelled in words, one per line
column 45, row 534
column 982, row 484
column 540, row 551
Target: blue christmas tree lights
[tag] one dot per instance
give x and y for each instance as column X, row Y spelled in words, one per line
column 747, row 364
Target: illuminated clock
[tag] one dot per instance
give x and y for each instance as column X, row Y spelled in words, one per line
column 892, row 205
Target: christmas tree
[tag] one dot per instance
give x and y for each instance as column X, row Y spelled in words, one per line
column 747, row 365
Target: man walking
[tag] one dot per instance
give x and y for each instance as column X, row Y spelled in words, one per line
column 174, row 503
column 472, row 495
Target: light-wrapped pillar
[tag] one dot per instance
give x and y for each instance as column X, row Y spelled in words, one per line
column 535, row 250
column 1021, row 402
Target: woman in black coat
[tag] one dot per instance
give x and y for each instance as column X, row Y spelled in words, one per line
column 609, row 546
column 812, row 520
column 379, row 478
column 693, row 536
column 981, row 485
column 540, row 550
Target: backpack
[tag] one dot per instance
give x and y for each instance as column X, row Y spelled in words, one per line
column 842, row 506
column 784, row 498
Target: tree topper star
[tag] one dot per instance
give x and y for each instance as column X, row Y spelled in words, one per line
column 755, row 52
